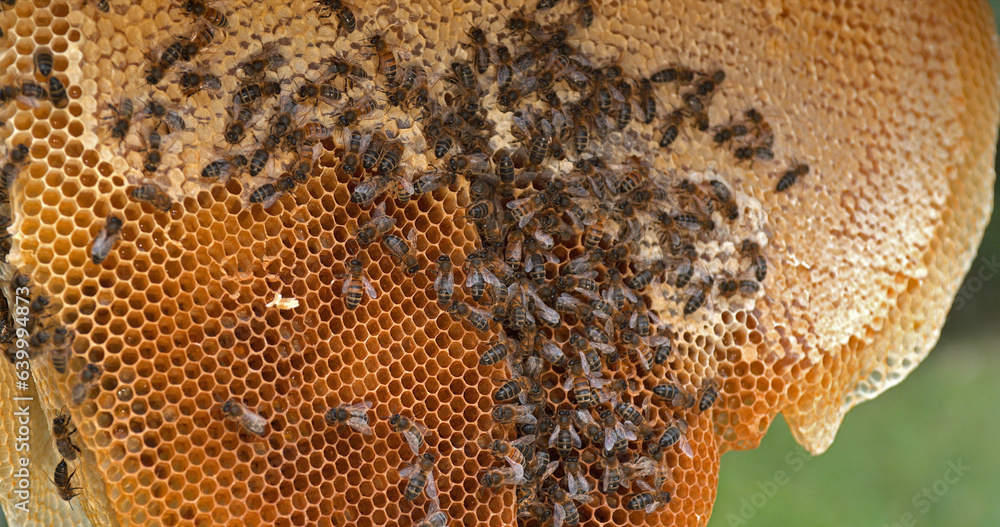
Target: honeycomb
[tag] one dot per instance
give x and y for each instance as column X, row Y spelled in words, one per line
column 208, row 296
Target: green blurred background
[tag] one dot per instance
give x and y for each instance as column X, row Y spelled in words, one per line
column 922, row 454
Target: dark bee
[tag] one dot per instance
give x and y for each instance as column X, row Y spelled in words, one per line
column 224, row 167
column 153, row 140
column 192, row 82
column 708, row 394
column 57, row 92
column 477, row 318
column 43, row 63
column 366, row 192
column 62, row 430
column 208, row 13
column 356, row 285
column 35, row 91
column 324, row 92
column 586, row 12
column 8, row 93
column 721, row 193
column 697, row 299
column 123, row 119
column 481, row 49
column 266, row 60
column 252, row 92
column 547, row 4
column 260, row 156
column 106, row 239
column 374, row 151
column 791, row 176
column 647, row 101
column 167, row 59
column 390, row 157
column 674, row 120
column 444, row 282
column 354, row 416
column 62, row 479
column 268, row 193
column 198, row 42
column 420, row 477
column 751, row 249
column 152, row 194
column 647, row 501
column 88, row 376
column 402, row 250
column 308, row 133
column 304, row 164
column 345, row 15
column 463, row 73
column 61, row 352
column 237, row 128
column 498, row 350
column 386, row 57
column 249, row 420
column 646, row 276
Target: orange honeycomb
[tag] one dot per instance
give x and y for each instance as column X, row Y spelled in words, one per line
column 210, row 296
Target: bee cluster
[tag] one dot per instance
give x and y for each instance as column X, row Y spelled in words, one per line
column 582, row 241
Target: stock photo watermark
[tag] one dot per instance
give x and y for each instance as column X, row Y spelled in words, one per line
column 924, row 499
column 975, row 282
column 795, row 461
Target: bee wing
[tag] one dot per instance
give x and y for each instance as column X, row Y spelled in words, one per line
column 409, row 471
column 524, row 440
column 685, row 446
column 576, row 437
column 643, row 359
column 585, row 418
column 552, row 353
column 359, row 426
column 492, row 279
column 413, row 440
column 606, row 480
column 516, row 467
column 503, row 75
column 589, row 294
column 549, row 469
column 629, row 295
column 572, row 485
column 347, row 285
column 552, row 439
column 548, row 314
column 558, row 515
column 544, row 239
column 431, row 488
column 363, row 406
column 632, row 319
column 609, row 439
column 368, row 287
column 626, row 430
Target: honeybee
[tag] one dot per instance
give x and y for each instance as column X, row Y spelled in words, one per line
column 192, row 82
column 791, row 176
column 356, row 142
column 403, row 250
column 464, row 76
column 62, row 479
column 154, row 138
column 576, row 480
column 268, row 193
column 708, row 394
column 565, row 438
column 236, row 129
column 167, row 58
column 106, row 239
column 375, row 227
column 513, row 413
column 512, row 451
column 354, row 415
column 43, row 62
column 751, row 249
column 249, row 420
column 357, row 110
column 648, row 501
column 498, row 477
column 308, row 133
column 356, row 282
column 88, row 376
column 253, row 91
column 386, row 57
column 320, row 92
column 646, row 276
column 478, row 276
column 482, row 53
column 583, row 382
column 62, row 429
column 698, row 297
column 349, row 69
column 61, row 351
column 614, row 473
column 647, row 101
column 123, row 118
column 444, row 283
column 420, row 477
column 345, row 15
column 209, row 14
column 565, row 511
column 435, row 517
column 390, row 157
column 261, row 156
column 676, row 434
column 477, row 318
column 222, row 169
column 266, row 60
column 370, row 189
column 412, row 431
